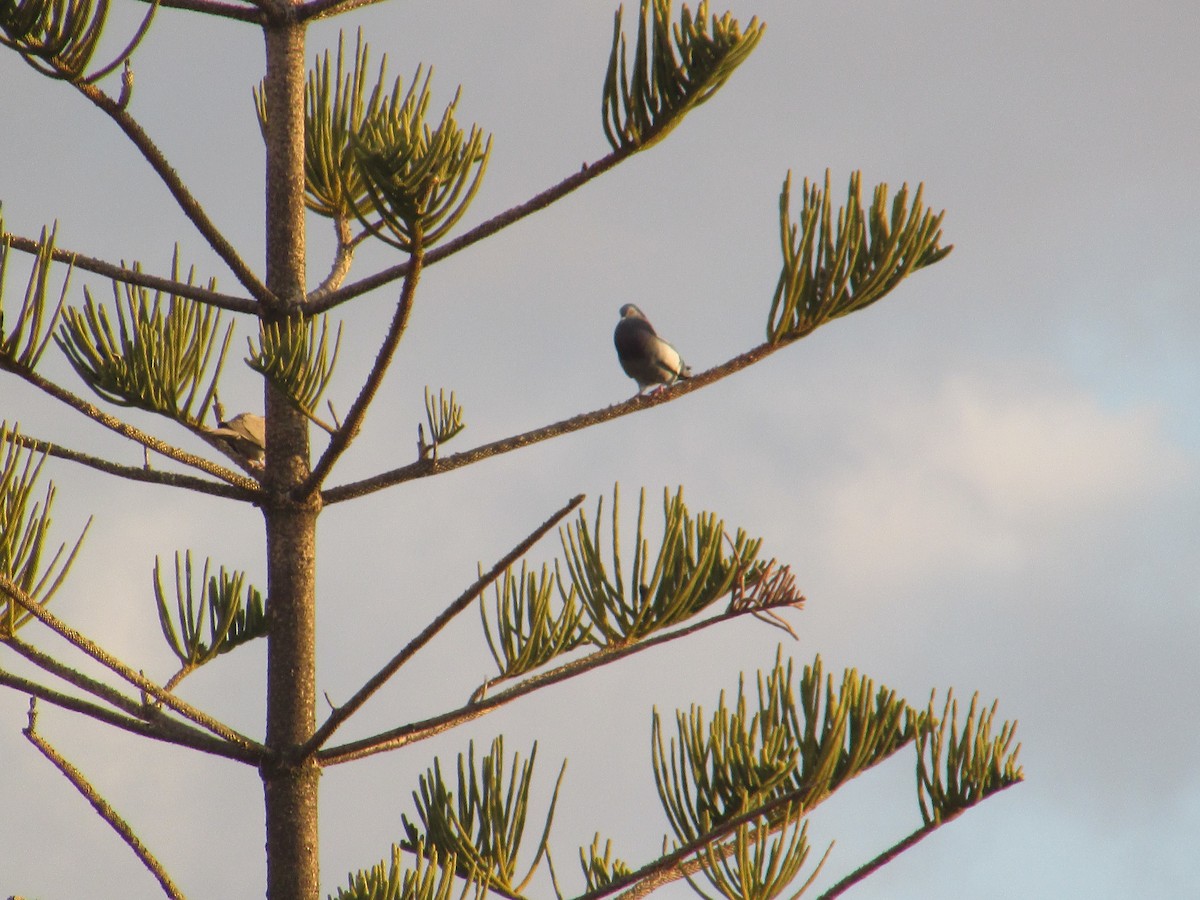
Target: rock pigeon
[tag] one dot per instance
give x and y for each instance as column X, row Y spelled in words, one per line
column 645, row 357
column 246, row 433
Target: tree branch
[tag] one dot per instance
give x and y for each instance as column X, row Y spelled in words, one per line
column 165, row 730
column 135, row 434
column 351, row 706
column 358, row 411
column 419, row 731
column 106, row 659
column 423, row 468
column 102, row 807
column 323, row 9
column 183, row 197
column 214, row 8
column 478, row 233
column 133, row 276
column 136, row 473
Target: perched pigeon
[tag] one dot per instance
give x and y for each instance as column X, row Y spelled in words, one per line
column 246, row 433
column 645, row 357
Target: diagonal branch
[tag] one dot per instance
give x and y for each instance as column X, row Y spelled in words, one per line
column 106, row 659
column 136, row 434
column 418, row 731
column 323, row 9
column 166, row 730
column 358, row 411
column 424, row 468
column 190, row 205
column 136, row 473
column 478, row 233
column 215, row 8
column 102, row 807
column 133, row 276
column 347, row 709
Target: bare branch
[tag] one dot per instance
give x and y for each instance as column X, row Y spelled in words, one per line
column 214, row 8
column 342, row 258
column 137, row 473
column 478, row 233
column 102, row 807
column 166, row 730
column 323, row 9
column 343, row 712
column 426, row 467
column 358, row 411
column 190, row 205
column 106, row 659
column 142, row 279
column 419, row 731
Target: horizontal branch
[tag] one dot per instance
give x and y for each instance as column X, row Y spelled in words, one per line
column 133, row 276
column 486, row 229
column 136, row 434
column 347, row 709
column 419, row 731
column 323, row 9
column 102, row 807
column 137, row 473
column 424, row 468
column 137, row 679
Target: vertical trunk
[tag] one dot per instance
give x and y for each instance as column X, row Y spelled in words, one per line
column 290, row 786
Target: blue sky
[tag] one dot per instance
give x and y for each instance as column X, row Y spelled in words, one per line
column 989, row 481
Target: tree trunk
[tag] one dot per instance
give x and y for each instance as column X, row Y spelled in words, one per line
column 289, row 785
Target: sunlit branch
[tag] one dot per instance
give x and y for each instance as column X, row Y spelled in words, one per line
column 358, row 411
column 343, row 712
column 478, row 233
column 343, row 257
column 213, row 8
column 102, row 807
column 136, row 434
column 424, row 468
column 141, row 279
column 322, row 9
column 165, row 730
column 419, row 731
column 138, row 680
column 136, row 473
column 187, row 203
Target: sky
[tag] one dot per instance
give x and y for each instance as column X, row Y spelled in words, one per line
column 989, row 481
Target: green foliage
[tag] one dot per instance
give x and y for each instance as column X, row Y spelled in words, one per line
column 766, row 858
column 738, row 761
column 160, row 356
column 445, row 417
column 24, row 340
column 483, row 823
column 641, row 107
column 528, row 632
column 232, row 612
column 417, row 178
column 690, row 572
column 833, row 270
column 296, row 358
column 957, row 769
column 601, row 870
column 59, row 37
column 432, row 877
column 24, row 526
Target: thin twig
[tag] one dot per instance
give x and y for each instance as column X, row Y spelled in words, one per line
column 187, row 203
column 426, row 467
column 476, row 234
column 137, row 473
column 343, row 257
column 133, row 276
column 102, row 807
column 427, row 728
column 342, row 713
column 358, row 411
column 136, row 434
column 102, row 656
